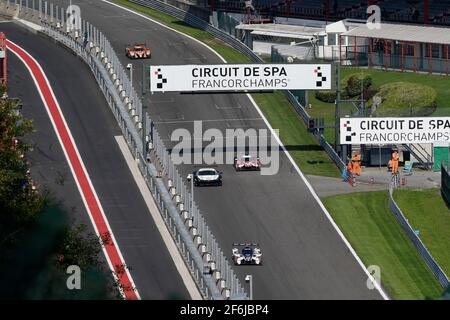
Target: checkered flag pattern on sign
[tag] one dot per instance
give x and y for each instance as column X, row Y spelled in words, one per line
column 320, row 78
column 161, row 80
column 348, row 129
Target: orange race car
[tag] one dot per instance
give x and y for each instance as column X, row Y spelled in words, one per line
column 138, row 51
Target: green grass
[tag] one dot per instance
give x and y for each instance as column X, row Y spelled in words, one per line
column 367, row 222
column 403, row 99
column 303, row 147
column 379, row 77
column 428, row 213
column 440, row 83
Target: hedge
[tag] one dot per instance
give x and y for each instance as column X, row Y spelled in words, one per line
column 350, row 87
column 357, row 81
column 406, row 99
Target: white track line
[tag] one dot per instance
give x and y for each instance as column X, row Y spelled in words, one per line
column 311, row 189
column 159, row 222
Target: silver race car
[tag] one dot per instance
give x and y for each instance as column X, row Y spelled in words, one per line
column 206, row 176
column 246, row 253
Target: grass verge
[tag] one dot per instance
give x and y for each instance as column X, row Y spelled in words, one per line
column 372, row 230
column 379, row 78
column 428, row 213
column 303, row 147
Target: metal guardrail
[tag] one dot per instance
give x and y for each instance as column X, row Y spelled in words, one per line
column 423, row 251
column 197, row 245
column 242, row 48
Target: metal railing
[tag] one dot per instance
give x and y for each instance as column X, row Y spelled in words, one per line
column 422, row 155
column 423, row 251
column 200, row 250
column 242, row 48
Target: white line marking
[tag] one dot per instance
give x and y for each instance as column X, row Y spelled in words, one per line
column 159, row 222
column 313, row 192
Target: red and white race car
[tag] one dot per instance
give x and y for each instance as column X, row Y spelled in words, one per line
column 247, row 162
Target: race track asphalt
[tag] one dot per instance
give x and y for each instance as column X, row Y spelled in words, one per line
column 93, row 128
column 304, row 257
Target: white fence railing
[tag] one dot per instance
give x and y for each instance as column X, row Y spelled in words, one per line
column 197, row 245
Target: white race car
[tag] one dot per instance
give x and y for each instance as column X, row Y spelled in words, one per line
column 250, row 253
column 207, row 176
column 247, row 162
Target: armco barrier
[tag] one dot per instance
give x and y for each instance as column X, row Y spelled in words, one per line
column 207, row 263
column 242, row 48
column 423, row 251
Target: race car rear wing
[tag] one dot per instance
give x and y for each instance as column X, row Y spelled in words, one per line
column 245, row 244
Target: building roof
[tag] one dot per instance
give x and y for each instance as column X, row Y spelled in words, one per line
column 282, row 30
column 401, row 32
column 282, row 35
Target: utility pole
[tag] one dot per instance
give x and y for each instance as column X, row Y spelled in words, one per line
column 130, row 67
column 338, row 107
column 145, row 117
column 249, row 279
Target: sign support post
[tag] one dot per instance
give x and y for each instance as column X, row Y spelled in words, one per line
column 340, row 149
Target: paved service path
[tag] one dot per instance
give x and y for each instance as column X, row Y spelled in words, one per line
column 374, row 179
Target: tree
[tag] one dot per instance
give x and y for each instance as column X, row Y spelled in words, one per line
column 19, row 202
column 79, row 247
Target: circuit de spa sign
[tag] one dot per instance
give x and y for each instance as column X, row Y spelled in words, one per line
column 240, row 77
column 394, row 130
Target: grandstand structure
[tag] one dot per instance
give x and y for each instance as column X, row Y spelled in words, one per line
column 406, row 11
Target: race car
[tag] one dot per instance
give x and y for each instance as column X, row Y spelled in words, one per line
column 206, row 176
column 247, row 162
column 138, row 51
column 250, row 253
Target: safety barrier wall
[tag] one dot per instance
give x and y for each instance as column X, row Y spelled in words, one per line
column 195, row 241
column 242, row 48
column 423, row 251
